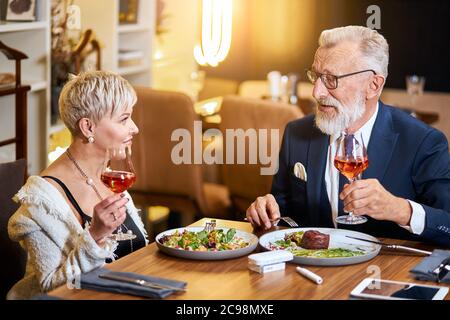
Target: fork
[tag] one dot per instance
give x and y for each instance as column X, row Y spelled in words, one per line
column 210, row 226
column 288, row 220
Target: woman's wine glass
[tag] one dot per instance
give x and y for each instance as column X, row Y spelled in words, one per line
column 118, row 175
column 351, row 160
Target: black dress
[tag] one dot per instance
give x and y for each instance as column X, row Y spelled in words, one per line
column 124, row 247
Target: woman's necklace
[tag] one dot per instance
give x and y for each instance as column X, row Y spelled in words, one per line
column 89, row 181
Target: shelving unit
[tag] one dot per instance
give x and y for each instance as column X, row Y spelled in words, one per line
column 32, row 38
column 21, row 26
column 115, row 36
column 122, row 29
column 37, row 85
column 126, row 71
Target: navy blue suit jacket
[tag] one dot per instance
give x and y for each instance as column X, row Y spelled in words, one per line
column 410, row 159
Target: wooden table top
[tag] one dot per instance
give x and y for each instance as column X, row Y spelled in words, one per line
column 232, row 280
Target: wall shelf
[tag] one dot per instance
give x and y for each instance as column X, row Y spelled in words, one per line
column 125, row 71
column 22, row 26
column 133, row 28
column 36, row 85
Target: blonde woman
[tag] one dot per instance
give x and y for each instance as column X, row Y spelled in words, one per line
column 67, row 213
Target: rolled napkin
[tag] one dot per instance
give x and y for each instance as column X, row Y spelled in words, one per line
column 424, row 270
column 92, row 281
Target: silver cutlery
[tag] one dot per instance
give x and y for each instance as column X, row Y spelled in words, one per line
column 210, row 226
column 393, row 246
column 140, row 282
column 291, row 222
column 288, row 220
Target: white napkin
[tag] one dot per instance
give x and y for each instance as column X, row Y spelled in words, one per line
column 300, row 171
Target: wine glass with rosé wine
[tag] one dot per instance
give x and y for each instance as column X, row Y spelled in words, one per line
column 351, row 160
column 118, row 175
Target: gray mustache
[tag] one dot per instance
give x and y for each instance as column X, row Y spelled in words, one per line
column 328, row 103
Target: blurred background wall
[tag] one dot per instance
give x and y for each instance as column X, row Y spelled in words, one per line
column 282, row 35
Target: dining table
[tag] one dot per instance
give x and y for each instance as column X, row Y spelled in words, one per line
column 232, row 280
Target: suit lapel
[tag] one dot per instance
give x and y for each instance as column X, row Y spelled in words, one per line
column 317, row 156
column 381, row 146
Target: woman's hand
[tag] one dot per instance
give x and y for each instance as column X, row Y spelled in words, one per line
column 108, row 215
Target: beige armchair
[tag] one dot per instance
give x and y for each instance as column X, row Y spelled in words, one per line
column 159, row 181
column 244, row 181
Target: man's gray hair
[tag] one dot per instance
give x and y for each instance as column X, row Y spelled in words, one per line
column 94, row 95
column 373, row 46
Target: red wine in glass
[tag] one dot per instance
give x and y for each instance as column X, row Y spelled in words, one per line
column 351, row 168
column 118, row 175
column 118, row 181
column 351, row 160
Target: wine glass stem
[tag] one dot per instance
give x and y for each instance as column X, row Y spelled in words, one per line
column 350, row 181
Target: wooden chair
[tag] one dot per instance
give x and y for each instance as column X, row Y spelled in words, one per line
column 20, row 91
column 244, row 181
column 12, row 177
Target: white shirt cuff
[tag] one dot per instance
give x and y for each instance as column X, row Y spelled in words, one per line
column 417, row 222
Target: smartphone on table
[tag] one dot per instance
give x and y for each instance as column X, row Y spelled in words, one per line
column 371, row 288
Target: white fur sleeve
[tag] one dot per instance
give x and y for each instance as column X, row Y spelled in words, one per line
column 53, row 267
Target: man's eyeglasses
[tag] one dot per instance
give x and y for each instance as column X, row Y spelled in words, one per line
column 329, row 80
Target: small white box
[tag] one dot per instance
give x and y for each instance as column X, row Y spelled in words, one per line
column 270, row 257
column 267, row 268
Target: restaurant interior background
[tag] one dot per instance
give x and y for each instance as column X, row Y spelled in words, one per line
column 160, row 37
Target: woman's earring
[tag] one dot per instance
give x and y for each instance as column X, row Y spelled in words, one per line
column 91, row 139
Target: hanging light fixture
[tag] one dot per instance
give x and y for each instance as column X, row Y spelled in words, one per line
column 217, row 17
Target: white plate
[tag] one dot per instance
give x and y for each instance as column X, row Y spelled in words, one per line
column 209, row 255
column 338, row 239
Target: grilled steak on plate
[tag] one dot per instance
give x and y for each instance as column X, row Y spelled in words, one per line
column 313, row 239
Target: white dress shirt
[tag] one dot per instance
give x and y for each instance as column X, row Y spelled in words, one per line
column 417, row 223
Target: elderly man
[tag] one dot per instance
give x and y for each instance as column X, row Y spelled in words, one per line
column 404, row 193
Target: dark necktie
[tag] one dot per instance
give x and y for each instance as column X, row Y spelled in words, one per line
column 348, row 144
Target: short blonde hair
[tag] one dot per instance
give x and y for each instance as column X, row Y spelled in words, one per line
column 373, row 46
column 93, row 95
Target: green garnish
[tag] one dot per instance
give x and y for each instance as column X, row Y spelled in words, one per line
column 326, row 253
column 292, row 241
column 216, row 240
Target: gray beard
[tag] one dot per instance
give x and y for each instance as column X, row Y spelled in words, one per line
column 346, row 115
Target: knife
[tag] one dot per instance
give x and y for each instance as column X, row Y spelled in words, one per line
column 139, row 282
column 393, row 246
